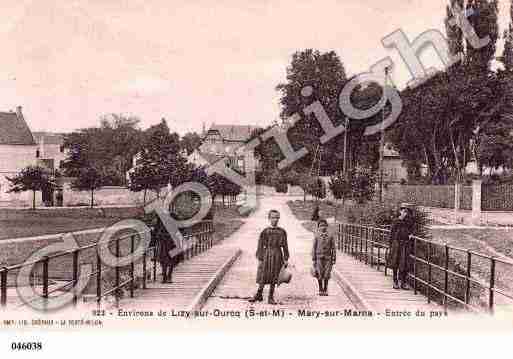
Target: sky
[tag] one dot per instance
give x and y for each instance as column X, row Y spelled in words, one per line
column 67, row 63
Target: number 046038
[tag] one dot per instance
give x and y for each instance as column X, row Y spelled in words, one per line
column 19, row 346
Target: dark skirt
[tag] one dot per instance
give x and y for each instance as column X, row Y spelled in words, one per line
column 269, row 268
column 163, row 249
column 398, row 255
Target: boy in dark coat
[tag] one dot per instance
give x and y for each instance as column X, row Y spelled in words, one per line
column 272, row 254
column 324, row 256
column 400, row 247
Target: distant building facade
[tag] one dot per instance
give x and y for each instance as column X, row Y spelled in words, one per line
column 225, row 141
column 393, row 169
column 19, row 148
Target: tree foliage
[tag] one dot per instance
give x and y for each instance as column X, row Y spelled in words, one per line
column 109, row 147
column 31, row 178
column 459, row 114
column 89, row 179
column 325, row 73
column 160, row 160
column 190, row 141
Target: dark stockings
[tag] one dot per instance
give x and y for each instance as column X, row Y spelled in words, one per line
column 260, row 291
column 167, row 273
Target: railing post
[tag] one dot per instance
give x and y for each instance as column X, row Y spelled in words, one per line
column 3, row 287
column 98, row 279
column 366, row 245
column 414, row 265
column 360, row 251
column 154, row 264
column 446, row 276
column 338, row 236
column 45, row 280
column 144, row 270
column 379, row 260
column 343, row 230
column 382, row 240
column 353, row 241
column 116, row 292
column 132, row 266
column 429, row 272
column 492, row 283
column 467, row 284
column 75, row 277
column 372, row 246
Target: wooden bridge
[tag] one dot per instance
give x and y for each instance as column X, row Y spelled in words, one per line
column 222, row 274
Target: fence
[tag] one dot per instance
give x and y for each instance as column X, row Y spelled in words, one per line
column 497, row 197
column 435, row 269
column 202, row 232
column 493, row 197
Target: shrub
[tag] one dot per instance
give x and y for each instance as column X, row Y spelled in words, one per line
column 281, row 187
column 340, row 187
column 383, row 214
column 292, row 178
column 362, row 185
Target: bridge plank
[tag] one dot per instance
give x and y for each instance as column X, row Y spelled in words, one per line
column 376, row 288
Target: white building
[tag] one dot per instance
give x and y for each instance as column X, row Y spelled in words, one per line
column 225, row 141
column 17, row 151
column 19, row 148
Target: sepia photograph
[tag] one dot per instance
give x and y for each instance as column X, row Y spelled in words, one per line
column 255, row 166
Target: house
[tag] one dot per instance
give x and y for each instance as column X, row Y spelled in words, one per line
column 222, row 141
column 393, row 169
column 51, row 154
column 50, row 149
column 18, row 150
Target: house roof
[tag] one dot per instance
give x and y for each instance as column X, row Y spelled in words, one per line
column 50, row 138
column 14, row 130
column 233, row 132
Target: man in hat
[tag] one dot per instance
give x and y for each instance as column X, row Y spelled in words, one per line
column 272, row 254
column 399, row 247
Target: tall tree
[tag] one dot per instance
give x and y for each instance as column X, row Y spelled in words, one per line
column 144, row 178
column 109, row 147
column 89, row 179
column 484, row 20
column 444, row 119
column 454, row 32
column 325, row 73
column 161, row 156
column 190, row 141
column 507, row 54
column 31, row 178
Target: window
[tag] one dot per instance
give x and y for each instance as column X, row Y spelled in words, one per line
column 61, row 148
column 37, row 153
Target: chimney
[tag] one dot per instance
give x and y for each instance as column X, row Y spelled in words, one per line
column 18, row 112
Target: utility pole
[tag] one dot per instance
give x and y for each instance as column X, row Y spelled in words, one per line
column 344, row 169
column 382, row 139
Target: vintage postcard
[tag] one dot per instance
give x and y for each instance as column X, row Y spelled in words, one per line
column 256, row 166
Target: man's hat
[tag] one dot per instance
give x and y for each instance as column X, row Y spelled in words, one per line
column 405, row 205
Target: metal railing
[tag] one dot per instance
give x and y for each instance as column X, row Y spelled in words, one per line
column 371, row 245
column 202, row 231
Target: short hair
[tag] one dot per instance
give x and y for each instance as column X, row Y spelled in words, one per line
column 273, row 211
column 322, row 221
